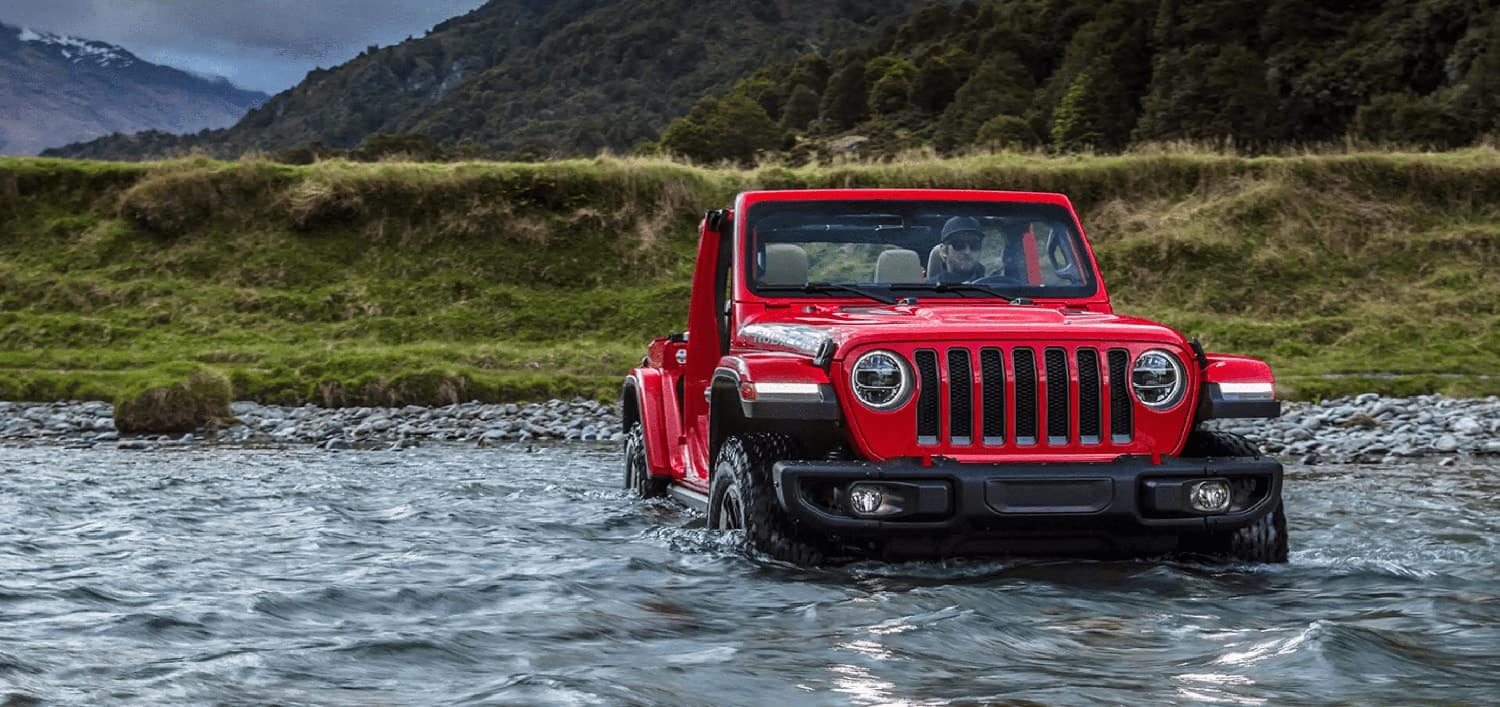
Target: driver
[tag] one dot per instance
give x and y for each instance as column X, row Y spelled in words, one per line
column 956, row 258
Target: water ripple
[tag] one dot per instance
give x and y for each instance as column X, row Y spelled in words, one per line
column 476, row 576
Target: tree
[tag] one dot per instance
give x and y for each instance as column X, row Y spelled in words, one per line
column 812, row 71
column 1405, row 118
column 893, row 79
column 1207, row 93
column 1006, row 132
column 1481, row 85
column 800, row 109
column 732, row 128
column 1001, row 86
column 844, row 101
column 768, row 94
column 1076, row 121
column 1105, row 71
column 938, row 79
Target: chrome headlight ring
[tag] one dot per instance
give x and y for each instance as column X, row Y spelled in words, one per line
column 881, row 380
column 1157, row 380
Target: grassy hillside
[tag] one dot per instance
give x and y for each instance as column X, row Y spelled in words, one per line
column 342, row 283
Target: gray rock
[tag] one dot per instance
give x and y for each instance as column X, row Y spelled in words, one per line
column 1446, row 443
column 1467, row 426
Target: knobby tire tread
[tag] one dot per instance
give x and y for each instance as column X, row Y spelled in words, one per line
column 748, row 458
column 639, row 478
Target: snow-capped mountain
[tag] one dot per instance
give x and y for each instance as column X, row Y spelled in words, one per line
column 80, row 51
column 56, row 89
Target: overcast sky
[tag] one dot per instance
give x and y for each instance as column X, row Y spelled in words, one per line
column 267, row 45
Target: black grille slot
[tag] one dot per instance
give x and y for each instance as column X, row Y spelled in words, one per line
column 1088, row 396
column 1119, row 396
column 1057, row 396
column 927, row 397
column 992, row 367
column 960, row 397
column 1024, row 361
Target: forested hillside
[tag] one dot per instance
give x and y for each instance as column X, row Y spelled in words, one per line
column 1103, row 74
column 532, row 78
column 529, row 79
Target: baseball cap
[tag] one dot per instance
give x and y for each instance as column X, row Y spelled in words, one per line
column 959, row 226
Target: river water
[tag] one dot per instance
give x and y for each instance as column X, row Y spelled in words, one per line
column 447, row 575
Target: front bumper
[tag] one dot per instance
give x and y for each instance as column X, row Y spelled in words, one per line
column 1130, row 496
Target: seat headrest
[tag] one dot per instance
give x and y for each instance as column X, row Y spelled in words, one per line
column 898, row 265
column 786, row 264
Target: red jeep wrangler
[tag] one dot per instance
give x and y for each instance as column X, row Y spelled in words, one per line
column 908, row 373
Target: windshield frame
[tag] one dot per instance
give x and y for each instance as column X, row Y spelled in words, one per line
column 906, row 209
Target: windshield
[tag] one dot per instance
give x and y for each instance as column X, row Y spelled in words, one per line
column 910, row 248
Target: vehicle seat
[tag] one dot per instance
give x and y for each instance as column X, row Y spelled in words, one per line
column 934, row 263
column 786, row 264
column 898, row 265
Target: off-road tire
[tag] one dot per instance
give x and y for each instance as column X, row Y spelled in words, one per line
column 742, row 486
column 638, row 476
column 1265, row 540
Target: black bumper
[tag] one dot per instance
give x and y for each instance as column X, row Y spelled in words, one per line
column 1129, row 497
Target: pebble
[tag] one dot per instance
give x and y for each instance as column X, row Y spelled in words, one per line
column 329, row 428
column 1369, row 428
column 1366, row 428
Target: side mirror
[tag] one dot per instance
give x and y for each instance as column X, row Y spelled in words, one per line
column 715, row 220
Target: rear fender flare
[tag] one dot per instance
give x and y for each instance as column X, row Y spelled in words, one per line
column 641, row 401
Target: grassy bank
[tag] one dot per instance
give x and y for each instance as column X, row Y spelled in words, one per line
column 339, row 283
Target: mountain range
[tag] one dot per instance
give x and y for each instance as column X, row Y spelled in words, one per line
column 56, row 90
column 534, row 78
column 739, row 79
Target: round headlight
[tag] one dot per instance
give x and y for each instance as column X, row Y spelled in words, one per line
column 1157, row 379
column 881, row 380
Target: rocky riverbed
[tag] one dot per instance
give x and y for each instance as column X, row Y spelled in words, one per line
column 1363, row 429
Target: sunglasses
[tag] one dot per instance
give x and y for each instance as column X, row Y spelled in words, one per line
column 964, row 244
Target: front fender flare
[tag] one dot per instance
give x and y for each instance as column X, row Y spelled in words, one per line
column 778, row 386
column 1236, row 387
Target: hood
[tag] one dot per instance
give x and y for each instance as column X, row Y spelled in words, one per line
column 849, row 327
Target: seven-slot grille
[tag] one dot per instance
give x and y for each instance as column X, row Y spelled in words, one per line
column 1011, row 399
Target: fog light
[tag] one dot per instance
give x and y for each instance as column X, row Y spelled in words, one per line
column 866, row 499
column 1210, row 496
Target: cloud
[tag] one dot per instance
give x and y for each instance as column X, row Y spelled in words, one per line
column 267, row 45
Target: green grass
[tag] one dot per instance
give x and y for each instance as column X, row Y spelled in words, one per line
column 343, row 283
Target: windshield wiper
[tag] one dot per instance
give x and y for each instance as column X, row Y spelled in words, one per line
column 957, row 287
column 816, row 287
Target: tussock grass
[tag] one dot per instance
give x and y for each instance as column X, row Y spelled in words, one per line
column 349, row 283
column 200, row 400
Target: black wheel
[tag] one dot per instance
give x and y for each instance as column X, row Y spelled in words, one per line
column 638, row 476
column 742, row 496
column 1265, row 540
